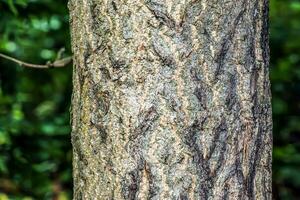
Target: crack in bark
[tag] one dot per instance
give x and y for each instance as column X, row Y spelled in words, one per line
column 130, row 185
column 202, row 165
column 147, row 119
column 150, row 176
column 231, row 98
column 201, row 96
column 160, row 13
column 220, row 130
column 162, row 51
column 254, row 159
column 226, row 43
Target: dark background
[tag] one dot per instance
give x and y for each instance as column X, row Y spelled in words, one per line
column 35, row 147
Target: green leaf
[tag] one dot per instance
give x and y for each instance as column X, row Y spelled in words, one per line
column 295, row 6
column 12, row 7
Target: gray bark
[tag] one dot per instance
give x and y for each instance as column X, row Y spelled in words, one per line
column 171, row 99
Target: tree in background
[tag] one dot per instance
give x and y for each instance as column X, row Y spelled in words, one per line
column 171, row 100
column 34, row 134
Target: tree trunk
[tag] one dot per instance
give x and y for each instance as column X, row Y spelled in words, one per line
column 171, row 99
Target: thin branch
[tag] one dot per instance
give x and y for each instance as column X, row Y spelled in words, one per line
column 57, row 63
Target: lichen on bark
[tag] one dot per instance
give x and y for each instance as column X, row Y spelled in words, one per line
column 171, row 99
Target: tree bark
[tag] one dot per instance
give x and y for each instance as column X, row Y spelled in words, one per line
column 171, row 99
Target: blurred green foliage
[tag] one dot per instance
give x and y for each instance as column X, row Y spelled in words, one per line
column 285, row 79
column 35, row 149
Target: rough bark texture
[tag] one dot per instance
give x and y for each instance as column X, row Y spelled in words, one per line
column 171, row 99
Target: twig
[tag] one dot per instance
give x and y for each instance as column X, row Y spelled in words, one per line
column 57, row 63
